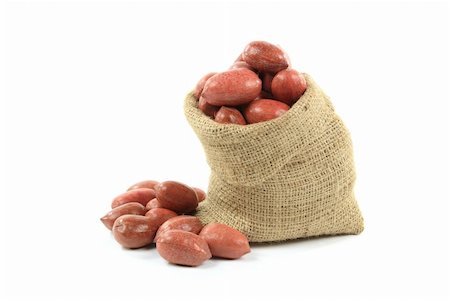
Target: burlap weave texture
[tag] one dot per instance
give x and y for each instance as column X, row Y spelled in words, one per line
column 288, row 178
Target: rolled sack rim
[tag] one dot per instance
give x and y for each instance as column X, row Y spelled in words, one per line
column 302, row 106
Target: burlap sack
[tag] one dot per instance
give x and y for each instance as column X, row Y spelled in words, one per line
column 288, row 178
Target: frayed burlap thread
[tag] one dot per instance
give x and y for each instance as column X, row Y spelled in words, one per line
column 288, row 178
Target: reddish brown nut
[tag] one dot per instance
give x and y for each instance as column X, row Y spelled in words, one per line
column 264, row 95
column 241, row 65
column 141, row 195
column 267, row 82
column 201, row 195
column 201, row 84
column 158, row 216
column 225, row 241
column 206, row 108
column 185, row 222
column 131, row 208
column 286, row 56
column 241, row 108
column 133, row 231
column 232, row 88
column 228, row 115
column 183, row 248
column 263, row 110
column 152, row 204
column 265, row 57
column 149, row 184
column 288, row 86
column 176, row 196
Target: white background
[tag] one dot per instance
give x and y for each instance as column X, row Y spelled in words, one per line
column 91, row 102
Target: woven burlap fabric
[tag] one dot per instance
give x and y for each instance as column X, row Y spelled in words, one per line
column 288, row 178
